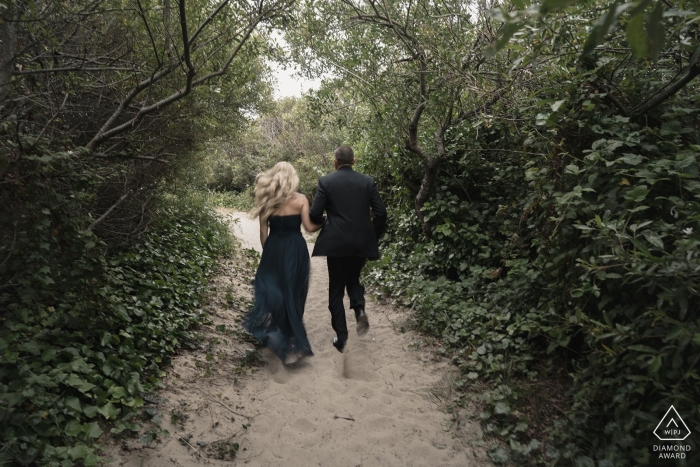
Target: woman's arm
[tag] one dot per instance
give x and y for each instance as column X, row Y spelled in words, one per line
column 305, row 217
column 263, row 231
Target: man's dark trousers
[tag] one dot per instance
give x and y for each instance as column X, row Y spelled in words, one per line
column 356, row 219
column 344, row 272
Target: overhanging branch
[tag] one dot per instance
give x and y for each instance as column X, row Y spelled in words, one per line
column 646, row 106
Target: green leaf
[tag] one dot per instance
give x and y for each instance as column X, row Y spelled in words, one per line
column 641, row 247
column 501, row 408
column 655, row 30
column 498, row 454
column 637, row 194
column 555, row 106
column 694, row 57
column 654, row 239
column 108, row 410
column 73, row 403
column 133, row 403
column 655, row 364
column 78, row 452
column 89, row 410
column 73, row 428
column 78, row 383
column 642, row 348
column 92, row 430
column 48, row 354
column 32, row 347
column 506, row 33
column 603, row 25
column 636, row 37
column 117, row 392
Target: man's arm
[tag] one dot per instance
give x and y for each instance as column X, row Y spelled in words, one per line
column 378, row 211
column 319, row 205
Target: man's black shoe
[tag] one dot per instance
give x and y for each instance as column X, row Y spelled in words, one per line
column 362, row 322
column 340, row 345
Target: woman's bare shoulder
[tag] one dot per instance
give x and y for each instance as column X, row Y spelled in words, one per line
column 300, row 198
column 294, row 205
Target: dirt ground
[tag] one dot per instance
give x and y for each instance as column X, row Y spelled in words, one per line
column 381, row 403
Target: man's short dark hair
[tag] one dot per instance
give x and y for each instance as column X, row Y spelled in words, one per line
column 344, row 155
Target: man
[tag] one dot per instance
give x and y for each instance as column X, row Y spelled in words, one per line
column 349, row 237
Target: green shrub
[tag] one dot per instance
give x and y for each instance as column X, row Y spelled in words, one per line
column 242, row 201
column 587, row 256
column 85, row 332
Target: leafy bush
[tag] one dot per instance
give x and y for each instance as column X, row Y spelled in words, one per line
column 591, row 257
column 242, row 201
column 581, row 249
column 283, row 132
column 85, row 330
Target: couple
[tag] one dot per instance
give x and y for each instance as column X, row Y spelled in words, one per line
column 348, row 239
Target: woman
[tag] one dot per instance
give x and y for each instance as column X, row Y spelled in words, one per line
column 282, row 279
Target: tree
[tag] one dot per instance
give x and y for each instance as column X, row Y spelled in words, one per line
column 420, row 67
column 97, row 87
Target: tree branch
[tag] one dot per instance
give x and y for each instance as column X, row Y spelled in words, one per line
column 102, row 155
column 649, row 104
column 412, row 143
column 109, row 211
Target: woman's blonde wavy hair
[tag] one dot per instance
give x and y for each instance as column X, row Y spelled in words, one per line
column 273, row 189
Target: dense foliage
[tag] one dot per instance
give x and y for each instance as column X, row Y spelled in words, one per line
column 86, row 332
column 281, row 132
column 101, row 106
column 560, row 226
column 540, row 163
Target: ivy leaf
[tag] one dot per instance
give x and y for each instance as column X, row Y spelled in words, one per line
column 89, row 410
column 541, row 119
column 31, row 347
column 637, row 194
column 108, row 410
column 73, row 428
column 117, row 392
column 501, row 408
column 498, row 454
column 78, row 383
column 92, row 430
column 78, row 452
column 557, row 104
column 73, row 403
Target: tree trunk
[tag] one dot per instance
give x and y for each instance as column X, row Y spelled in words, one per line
column 426, row 184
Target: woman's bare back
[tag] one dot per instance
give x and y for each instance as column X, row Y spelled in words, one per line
column 297, row 204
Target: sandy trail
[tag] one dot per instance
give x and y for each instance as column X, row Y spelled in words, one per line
column 370, row 406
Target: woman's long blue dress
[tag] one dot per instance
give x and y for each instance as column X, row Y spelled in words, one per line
column 281, row 286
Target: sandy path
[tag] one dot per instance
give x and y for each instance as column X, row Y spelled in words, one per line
column 370, row 406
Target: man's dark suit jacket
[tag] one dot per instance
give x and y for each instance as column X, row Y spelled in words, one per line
column 347, row 197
